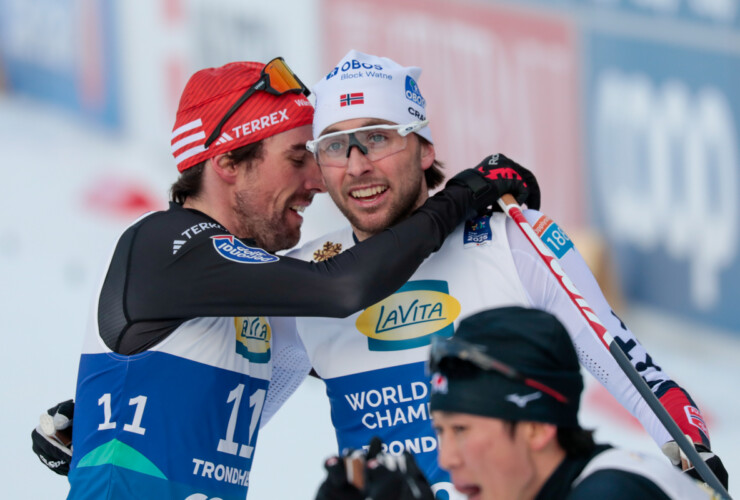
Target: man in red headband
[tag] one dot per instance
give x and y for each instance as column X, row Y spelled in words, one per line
column 180, row 326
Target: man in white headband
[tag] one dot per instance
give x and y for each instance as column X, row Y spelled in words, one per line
column 375, row 149
column 367, row 90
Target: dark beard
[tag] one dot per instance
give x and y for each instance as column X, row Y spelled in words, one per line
column 396, row 214
column 270, row 234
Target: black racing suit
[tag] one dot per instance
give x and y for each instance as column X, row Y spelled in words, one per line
column 175, row 369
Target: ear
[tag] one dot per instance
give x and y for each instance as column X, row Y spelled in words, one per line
column 225, row 168
column 540, row 435
column 427, row 155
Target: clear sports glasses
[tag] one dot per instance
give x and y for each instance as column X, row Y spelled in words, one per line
column 276, row 79
column 459, row 349
column 374, row 141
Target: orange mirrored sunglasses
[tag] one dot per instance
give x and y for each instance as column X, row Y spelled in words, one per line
column 276, row 79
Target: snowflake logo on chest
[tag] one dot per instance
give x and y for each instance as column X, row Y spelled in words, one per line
column 328, row 251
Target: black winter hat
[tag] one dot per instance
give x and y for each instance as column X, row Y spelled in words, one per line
column 532, row 342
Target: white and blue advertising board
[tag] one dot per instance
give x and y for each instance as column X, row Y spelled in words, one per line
column 663, row 133
column 63, row 52
column 713, row 13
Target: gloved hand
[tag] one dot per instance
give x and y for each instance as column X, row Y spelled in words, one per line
column 495, row 176
column 52, row 438
column 336, row 486
column 385, row 477
column 391, row 477
column 679, row 459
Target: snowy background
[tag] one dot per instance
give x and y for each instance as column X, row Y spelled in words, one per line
column 52, row 245
column 87, row 104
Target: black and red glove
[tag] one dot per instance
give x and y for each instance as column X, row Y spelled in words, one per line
column 691, row 422
column 678, row 458
column 495, row 176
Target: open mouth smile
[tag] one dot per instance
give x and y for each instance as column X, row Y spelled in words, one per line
column 368, row 192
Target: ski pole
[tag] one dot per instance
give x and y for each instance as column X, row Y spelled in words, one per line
column 511, row 208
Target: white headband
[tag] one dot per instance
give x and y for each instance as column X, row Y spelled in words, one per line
column 367, row 86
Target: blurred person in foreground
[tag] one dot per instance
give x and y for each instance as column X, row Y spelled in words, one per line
column 173, row 379
column 374, row 145
column 505, row 393
column 505, row 398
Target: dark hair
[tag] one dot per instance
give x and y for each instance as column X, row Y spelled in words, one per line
column 188, row 184
column 575, row 441
column 433, row 175
column 190, row 181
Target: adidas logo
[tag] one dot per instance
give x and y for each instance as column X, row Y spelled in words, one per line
column 225, row 137
column 176, row 245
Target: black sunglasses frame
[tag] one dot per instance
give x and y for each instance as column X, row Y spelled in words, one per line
column 442, row 348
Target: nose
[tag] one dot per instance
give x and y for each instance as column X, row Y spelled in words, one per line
column 357, row 163
column 447, row 455
column 314, row 181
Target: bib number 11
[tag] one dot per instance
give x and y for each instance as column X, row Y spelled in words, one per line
column 227, row 445
column 256, row 401
column 134, row 426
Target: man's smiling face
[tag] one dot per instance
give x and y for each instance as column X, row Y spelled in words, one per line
column 373, row 195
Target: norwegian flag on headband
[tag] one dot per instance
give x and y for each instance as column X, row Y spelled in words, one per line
column 353, row 98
